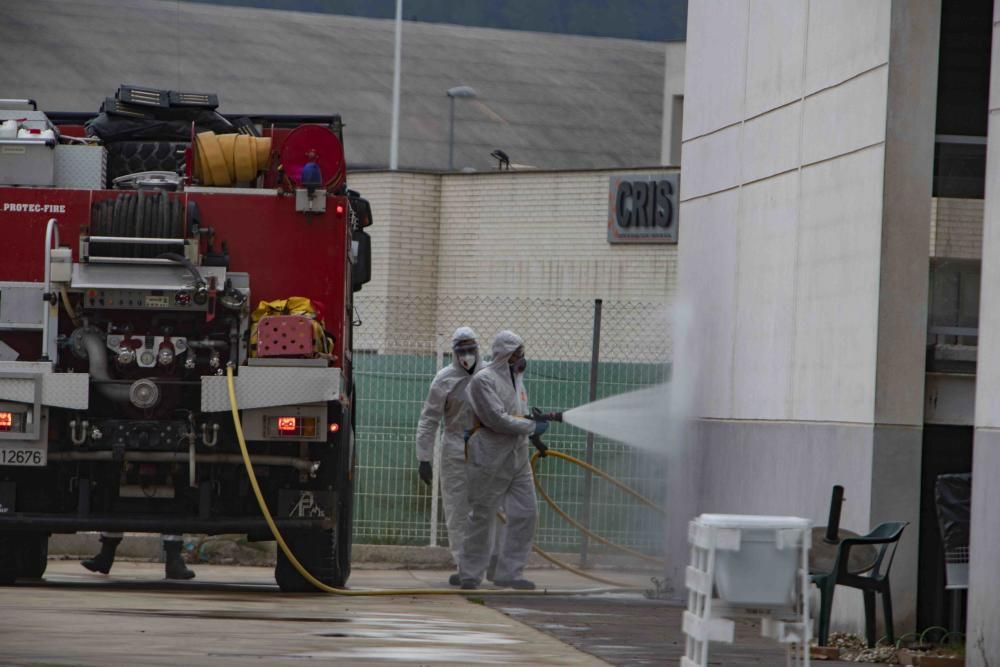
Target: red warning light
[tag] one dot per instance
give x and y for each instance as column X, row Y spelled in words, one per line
column 288, row 424
column 334, row 427
column 340, row 209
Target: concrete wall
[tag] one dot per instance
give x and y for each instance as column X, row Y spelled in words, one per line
column 983, row 647
column 807, row 163
column 673, row 104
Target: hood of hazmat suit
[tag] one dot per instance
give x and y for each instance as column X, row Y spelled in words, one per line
column 465, row 349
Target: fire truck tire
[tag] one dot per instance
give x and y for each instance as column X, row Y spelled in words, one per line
column 34, row 556
column 130, row 157
column 316, row 550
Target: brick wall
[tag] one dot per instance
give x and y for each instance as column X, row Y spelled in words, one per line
column 518, row 235
column 405, row 208
column 957, row 228
column 542, row 235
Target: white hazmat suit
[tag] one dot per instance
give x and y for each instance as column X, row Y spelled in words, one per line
column 499, row 468
column 446, row 400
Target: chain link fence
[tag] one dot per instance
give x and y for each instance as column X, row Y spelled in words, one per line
column 400, row 344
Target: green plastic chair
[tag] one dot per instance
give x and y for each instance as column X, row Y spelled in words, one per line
column 884, row 537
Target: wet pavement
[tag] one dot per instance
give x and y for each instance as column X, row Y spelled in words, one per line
column 630, row 631
column 233, row 615
column 236, row 615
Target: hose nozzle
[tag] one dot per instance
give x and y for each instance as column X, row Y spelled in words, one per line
column 538, row 415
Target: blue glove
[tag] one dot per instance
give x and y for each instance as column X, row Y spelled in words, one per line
column 541, row 426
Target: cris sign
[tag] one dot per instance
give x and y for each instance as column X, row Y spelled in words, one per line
column 642, row 208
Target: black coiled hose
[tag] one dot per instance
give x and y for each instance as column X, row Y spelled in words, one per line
column 142, row 214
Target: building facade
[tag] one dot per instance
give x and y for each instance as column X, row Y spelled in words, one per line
column 824, row 318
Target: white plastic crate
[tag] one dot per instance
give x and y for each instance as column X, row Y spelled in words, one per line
column 746, row 565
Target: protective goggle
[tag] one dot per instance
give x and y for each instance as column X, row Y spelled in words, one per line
column 466, row 347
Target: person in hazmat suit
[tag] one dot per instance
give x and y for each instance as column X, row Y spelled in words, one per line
column 446, row 401
column 499, row 467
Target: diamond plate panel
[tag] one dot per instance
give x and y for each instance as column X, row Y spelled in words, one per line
column 264, row 387
column 80, row 166
column 60, row 390
column 21, row 305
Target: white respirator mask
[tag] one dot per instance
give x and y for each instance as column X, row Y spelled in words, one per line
column 467, row 354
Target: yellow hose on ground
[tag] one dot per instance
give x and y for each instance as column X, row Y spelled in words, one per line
column 566, row 566
column 342, row 591
column 579, row 526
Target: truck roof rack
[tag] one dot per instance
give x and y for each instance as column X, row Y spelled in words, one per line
column 280, row 120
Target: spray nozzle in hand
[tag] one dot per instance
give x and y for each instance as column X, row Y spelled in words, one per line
column 542, row 420
column 538, row 415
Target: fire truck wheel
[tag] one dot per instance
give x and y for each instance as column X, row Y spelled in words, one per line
column 34, row 556
column 316, row 550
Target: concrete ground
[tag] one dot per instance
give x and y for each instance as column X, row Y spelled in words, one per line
column 234, row 615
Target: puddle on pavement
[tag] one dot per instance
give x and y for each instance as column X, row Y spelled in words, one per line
column 557, row 626
column 217, row 615
column 519, row 611
column 430, row 655
column 391, row 628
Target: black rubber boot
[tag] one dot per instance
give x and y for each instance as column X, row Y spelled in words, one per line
column 454, row 580
column 175, row 567
column 103, row 561
column 517, row 584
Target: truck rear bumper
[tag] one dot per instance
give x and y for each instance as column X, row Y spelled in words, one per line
column 61, row 523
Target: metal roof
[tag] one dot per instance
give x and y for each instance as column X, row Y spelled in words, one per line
column 550, row 101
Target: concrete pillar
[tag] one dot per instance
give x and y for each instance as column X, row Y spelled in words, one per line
column 673, row 104
column 983, row 621
column 806, row 191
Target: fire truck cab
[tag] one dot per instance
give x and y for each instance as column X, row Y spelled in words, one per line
column 145, row 250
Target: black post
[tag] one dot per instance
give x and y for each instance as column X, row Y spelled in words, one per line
column 833, row 524
column 588, row 479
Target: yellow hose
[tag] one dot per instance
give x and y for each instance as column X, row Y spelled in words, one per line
column 579, row 526
column 371, row 592
column 227, row 159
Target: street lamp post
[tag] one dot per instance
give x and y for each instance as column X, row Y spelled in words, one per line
column 457, row 91
column 394, row 138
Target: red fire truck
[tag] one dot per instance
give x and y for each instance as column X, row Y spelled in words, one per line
column 146, row 249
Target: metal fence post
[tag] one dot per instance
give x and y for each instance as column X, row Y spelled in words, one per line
column 588, row 479
column 436, row 468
